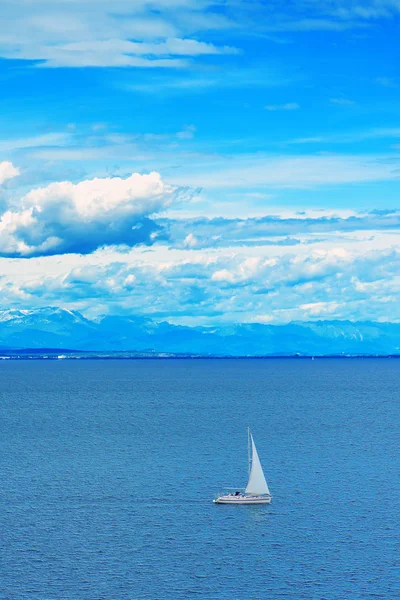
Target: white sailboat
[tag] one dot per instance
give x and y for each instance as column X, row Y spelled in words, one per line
column 257, row 491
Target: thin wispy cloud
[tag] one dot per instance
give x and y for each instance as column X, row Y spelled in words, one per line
column 203, row 81
column 275, row 230
column 388, row 82
column 82, row 34
column 342, row 101
column 56, row 139
column 286, row 106
column 249, row 171
column 350, row 137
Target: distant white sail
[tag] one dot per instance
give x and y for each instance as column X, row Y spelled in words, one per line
column 257, row 486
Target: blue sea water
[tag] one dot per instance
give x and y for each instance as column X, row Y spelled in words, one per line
column 108, row 470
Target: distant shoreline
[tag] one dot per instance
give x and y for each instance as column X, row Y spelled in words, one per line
column 55, row 354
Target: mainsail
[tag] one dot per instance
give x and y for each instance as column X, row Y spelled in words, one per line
column 257, row 486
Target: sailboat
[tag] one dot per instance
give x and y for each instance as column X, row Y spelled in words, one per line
column 257, row 491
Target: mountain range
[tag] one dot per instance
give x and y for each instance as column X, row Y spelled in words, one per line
column 60, row 328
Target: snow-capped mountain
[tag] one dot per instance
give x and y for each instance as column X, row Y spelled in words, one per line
column 51, row 327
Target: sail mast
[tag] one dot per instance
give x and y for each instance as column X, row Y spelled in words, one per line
column 248, row 452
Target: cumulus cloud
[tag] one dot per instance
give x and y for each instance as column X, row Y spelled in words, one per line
column 67, row 217
column 7, row 171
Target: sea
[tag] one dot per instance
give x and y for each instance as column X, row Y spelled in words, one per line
column 108, row 469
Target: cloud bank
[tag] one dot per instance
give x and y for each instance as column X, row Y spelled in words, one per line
column 332, row 283
column 276, row 230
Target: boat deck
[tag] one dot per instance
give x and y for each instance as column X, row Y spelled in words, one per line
column 242, row 499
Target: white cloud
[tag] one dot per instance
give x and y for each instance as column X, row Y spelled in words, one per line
column 99, row 34
column 318, row 309
column 7, row 171
column 123, row 53
column 190, row 241
column 103, row 198
column 67, row 217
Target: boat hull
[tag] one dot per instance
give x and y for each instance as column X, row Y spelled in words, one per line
column 231, row 499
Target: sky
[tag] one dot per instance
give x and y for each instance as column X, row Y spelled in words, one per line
column 201, row 162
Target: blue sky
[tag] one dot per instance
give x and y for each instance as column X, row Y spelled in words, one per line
column 201, row 161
